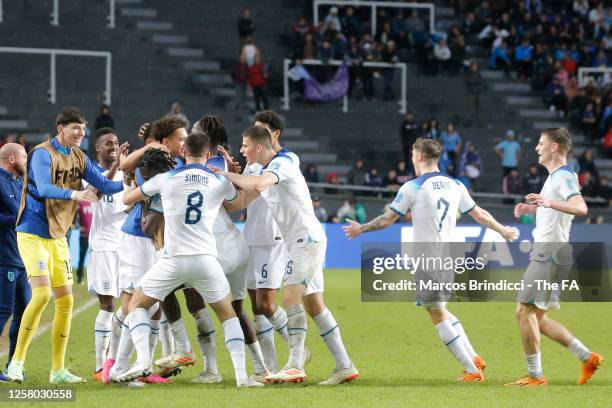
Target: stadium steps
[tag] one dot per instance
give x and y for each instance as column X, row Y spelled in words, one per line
column 548, row 124
column 127, row 2
column 185, row 52
column 301, row 146
column 323, row 158
column 492, row 74
column 154, row 25
column 339, row 169
column 138, row 12
column 524, row 101
column 199, row 65
column 13, row 124
column 168, row 39
column 3, row 111
column 537, row 113
column 514, row 87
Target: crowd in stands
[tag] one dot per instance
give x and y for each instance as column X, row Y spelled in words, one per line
column 545, row 42
column 346, row 34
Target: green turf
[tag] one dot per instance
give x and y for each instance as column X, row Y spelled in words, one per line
column 400, row 358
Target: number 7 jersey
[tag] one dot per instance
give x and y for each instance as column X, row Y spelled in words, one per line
column 434, row 199
column 191, row 197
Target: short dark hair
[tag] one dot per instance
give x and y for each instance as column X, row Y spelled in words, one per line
column 103, row 131
column 259, row 135
column 560, row 136
column 154, row 162
column 270, row 118
column 68, row 116
column 432, row 149
column 165, row 126
column 197, row 144
column 214, row 127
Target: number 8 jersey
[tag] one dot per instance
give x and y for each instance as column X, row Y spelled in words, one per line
column 191, row 196
column 434, row 199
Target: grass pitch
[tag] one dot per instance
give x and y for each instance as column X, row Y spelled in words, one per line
column 394, row 345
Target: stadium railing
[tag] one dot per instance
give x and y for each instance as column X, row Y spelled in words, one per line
column 53, row 53
column 599, row 76
column 55, row 13
column 384, row 192
column 400, row 65
column 373, row 6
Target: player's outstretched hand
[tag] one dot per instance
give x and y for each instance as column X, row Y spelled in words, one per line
column 124, row 151
column 352, row 230
column 216, row 169
column 510, row 233
column 232, row 166
column 520, row 209
column 537, row 199
column 85, row 195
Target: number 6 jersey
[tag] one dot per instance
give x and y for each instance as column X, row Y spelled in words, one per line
column 191, row 196
column 433, row 199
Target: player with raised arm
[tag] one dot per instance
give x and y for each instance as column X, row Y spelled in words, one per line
column 103, row 267
column 434, row 198
column 282, row 185
column 51, row 189
column 191, row 197
column 138, row 252
column 555, row 207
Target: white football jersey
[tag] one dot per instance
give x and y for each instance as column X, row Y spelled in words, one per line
column 289, row 201
column 191, row 196
column 260, row 228
column 434, row 199
column 108, row 217
column 223, row 222
column 553, row 225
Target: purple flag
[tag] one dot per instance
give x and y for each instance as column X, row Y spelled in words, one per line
column 332, row 90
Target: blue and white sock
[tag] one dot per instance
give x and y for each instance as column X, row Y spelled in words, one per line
column 279, row 321
column 464, row 338
column 234, row 341
column 102, row 334
column 265, row 335
column 140, row 331
column 452, row 340
column 297, row 329
column 534, row 365
column 330, row 333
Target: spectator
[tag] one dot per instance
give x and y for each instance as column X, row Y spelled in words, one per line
column 589, row 185
column 604, row 190
column 373, row 179
column 510, row 152
column 319, row 211
column 257, row 80
column 451, row 143
column 351, row 27
column 403, row 175
column 104, row 119
column 443, row 56
column 512, row 185
column 352, row 210
column 500, row 58
column 22, row 141
column 464, row 179
column 409, row 132
column 424, row 130
column 249, row 52
column 434, row 132
column 587, row 164
column 246, row 27
column 311, row 174
column 390, row 180
column 177, row 110
column 471, row 164
column 310, row 50
column 556, row 99
column 356, row 176
column 474, row 86
column 332, row 178
column 523, row 57
column 589, row 122
column 389, row 56
column 533, row 181
column 572, row 163
column 332, row 20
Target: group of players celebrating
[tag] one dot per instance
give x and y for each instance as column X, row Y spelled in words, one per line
column 161, row 225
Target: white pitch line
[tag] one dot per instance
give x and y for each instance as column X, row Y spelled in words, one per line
column 43, row 329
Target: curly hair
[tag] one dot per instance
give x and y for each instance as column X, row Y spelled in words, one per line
column 270, row 118
column 214, row 127
column 154, row 162
column 164, row 127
